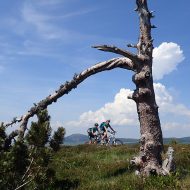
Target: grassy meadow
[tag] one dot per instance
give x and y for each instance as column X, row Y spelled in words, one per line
column 92, row 167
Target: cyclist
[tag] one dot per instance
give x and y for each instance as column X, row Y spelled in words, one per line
column 104, row 129
column 93, row 132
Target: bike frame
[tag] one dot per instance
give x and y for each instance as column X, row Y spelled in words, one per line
column 111, row 137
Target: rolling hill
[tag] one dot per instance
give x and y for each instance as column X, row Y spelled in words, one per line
column 76, row 139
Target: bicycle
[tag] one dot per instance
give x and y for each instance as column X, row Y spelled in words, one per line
column 110, row 140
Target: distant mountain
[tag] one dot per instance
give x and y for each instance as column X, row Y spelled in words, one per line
column 129, row 140
column 183, row 140
column 76, row 139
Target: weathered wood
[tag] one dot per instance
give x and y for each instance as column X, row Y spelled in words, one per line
column 144, row 96
column 169, row 163
column 135, row 58
column 123, row 63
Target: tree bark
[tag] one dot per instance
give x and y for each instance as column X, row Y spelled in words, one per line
column 151, row 134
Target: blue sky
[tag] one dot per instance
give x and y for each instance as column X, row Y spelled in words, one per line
column 44, row 42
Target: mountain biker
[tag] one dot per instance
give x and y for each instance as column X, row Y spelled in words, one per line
column 93, row 132
column 104, row 129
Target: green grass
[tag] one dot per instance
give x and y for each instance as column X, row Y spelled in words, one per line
column 91, row 167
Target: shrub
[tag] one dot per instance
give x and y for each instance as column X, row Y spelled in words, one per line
column 25, row 164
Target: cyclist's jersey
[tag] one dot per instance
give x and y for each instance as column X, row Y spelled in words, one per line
column 103, row 125
column 93, row 130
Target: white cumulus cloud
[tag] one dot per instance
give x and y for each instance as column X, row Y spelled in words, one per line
column 166, row 58
column 166, row 103
column 122, row 112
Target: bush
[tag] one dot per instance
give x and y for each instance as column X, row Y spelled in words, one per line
column 25, row 164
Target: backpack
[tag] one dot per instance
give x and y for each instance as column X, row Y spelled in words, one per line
column 102, row 126
column 90, row 130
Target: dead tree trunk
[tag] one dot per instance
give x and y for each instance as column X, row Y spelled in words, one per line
column 147, row 109
column 149, row 161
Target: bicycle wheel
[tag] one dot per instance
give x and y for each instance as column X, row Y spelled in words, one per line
column 117, row 142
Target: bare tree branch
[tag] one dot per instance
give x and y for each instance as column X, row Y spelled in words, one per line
column 8, row 139
column 27, row 169
column 32, row 178
column 15, row 120
column 114, row 49
column 26, row 183
column 132, row 45
column 124, row 63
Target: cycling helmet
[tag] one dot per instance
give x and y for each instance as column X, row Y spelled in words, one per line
column 96, row 124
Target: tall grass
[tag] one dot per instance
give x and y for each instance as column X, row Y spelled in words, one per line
column 91, row 167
